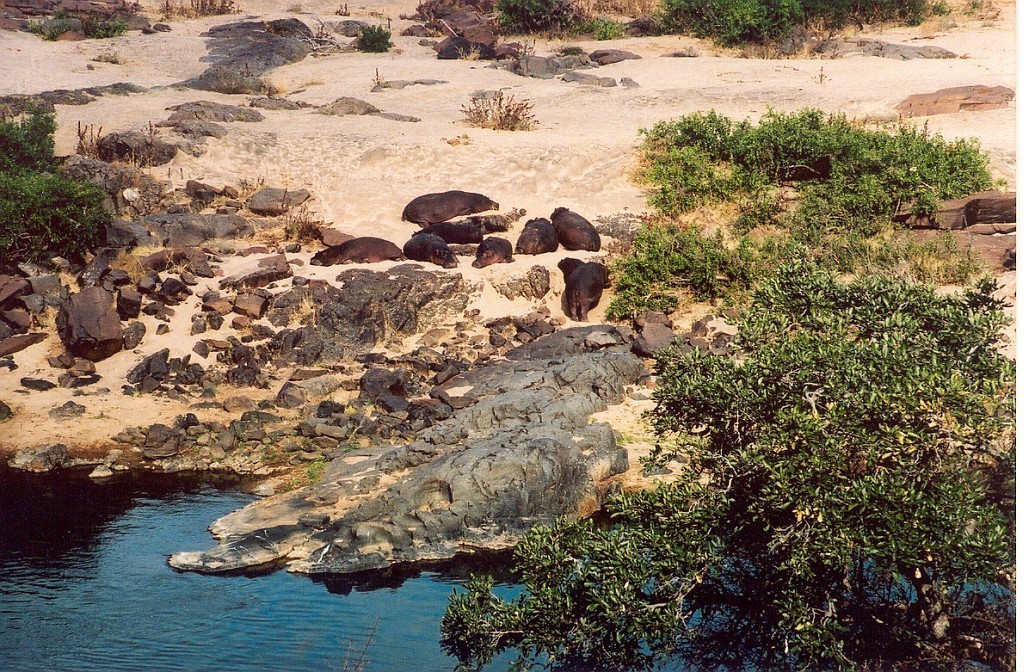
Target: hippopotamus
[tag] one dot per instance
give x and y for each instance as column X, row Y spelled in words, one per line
column 574, row 231
column 440, row 207
column 430, row 248
column 538, row 237
column 455, row 233
column 363, row 250
column 585, row 281
column 493, row 250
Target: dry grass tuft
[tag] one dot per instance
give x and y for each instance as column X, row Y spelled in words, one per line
column 88, row 136
column 197, row 8
column 302, row 225
column 500, row 113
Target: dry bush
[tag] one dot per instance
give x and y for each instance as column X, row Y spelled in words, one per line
column 500, row 113
column 197, row 8
column 631, row 8
column 88, row 136
column 302, row 225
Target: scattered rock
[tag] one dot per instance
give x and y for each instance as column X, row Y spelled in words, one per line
column 130, row 191
column 67, row 411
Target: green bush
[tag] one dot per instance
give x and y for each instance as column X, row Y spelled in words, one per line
column 374, row 39
column 667, row 261
column 732, row 22
column 27, row 144
column 844, row 501
column 532, row 16
column 42, row 213
column 848, row 175
column 604, row 29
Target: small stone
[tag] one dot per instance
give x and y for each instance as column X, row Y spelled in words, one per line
column 37, row 384
column 67, row 411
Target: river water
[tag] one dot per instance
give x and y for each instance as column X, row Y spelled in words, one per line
column 85, row 585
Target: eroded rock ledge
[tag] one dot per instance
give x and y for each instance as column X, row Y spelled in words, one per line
column 520, row 451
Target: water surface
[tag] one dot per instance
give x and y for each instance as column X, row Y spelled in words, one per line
column 85, row 585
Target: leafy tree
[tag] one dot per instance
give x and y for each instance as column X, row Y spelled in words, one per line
column 845, row 501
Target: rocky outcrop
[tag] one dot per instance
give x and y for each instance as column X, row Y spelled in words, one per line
column 956, row 99
column 842, row 47
column 134, row 147
column 130, row 191
column 243, row 51
column 189, row 230
column 519, row 451
column 89, row 325
column 379, row 308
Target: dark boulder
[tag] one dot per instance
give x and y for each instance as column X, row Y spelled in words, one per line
column 136, row 148
column 89, row 325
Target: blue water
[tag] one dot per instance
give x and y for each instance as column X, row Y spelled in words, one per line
column 85, row 585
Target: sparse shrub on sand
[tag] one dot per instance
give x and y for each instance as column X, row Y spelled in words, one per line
column 374, row 39
column 93, row 26
column 41, row 211
column 500, row 113
column 196, row 8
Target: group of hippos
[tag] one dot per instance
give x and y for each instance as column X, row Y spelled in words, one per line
column 584, row 281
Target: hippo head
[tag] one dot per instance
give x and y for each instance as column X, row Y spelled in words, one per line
column 318, row 259
column 444, row 257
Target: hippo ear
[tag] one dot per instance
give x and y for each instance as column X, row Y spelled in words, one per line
column 607, row 277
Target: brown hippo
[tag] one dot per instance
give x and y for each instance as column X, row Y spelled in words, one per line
column 431, row 248
column 538, row 237
column 363, row 250
column 584, row 284
column 493, row 250
column 455, row 233
column 574, row 231
column 440, row 207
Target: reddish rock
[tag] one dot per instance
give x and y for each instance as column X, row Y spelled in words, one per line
column 14, row 344
column 250, row 305
column 956, row 99
column 89, row 325
column 18, row 319
column 332, row 237
column 12, row 286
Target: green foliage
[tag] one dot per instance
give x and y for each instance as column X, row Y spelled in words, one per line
column 847, row 175
column 533, row 16
column 732, row 22
column 374, row 39
column 41, row 212
column 848, row 182
column 844, row 501
column 604, row 29
column 27, row 144
column 666, row 261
